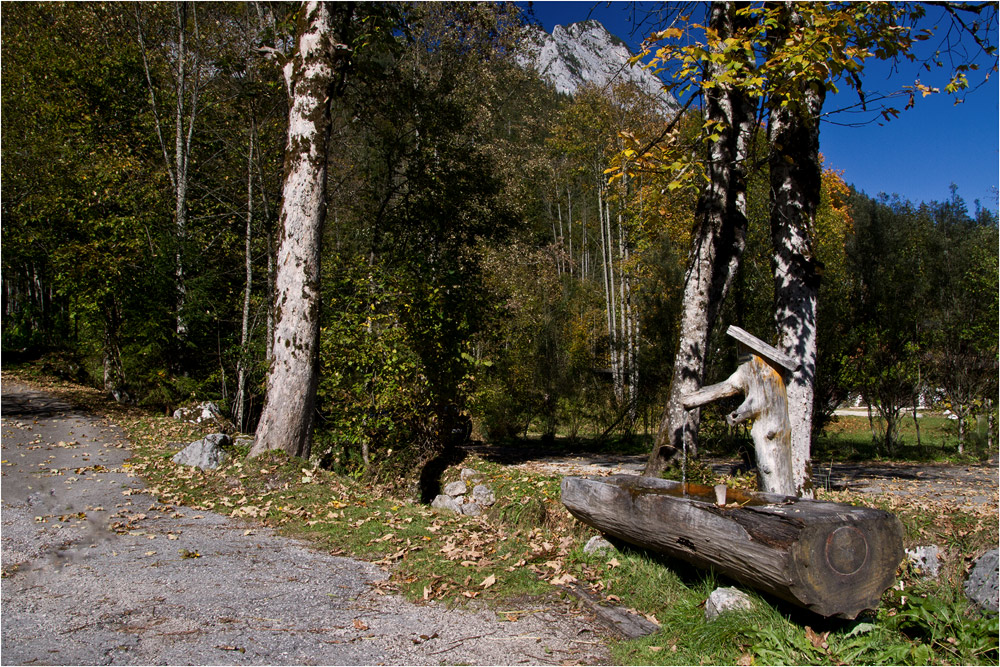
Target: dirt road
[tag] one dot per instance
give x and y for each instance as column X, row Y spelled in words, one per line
column 97, row 572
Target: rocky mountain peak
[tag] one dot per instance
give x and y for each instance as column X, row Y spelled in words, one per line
column 585, row 52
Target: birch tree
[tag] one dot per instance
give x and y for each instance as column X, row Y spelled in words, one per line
column 795, row 172
column 783, row 57
column 717, row 243
column 310, row 75
column 185, row 69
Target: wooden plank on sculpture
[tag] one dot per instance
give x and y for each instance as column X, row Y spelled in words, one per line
column 769, row 353
column 831, row 558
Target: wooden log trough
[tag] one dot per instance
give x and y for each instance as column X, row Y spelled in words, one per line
column 831, row 558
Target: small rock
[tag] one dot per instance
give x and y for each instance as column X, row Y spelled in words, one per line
column 924, row 560
column 483, row 495
column 207, row 453
column 445, row 502
column 468, row 474
column 983, row 584
column 198, row 413
column 596, row 544
column 243, row 441
column 205, row 413
column 471, row 509
column 455, row 489
column 726, row 599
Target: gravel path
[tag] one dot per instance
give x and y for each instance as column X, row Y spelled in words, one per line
column 97, row 572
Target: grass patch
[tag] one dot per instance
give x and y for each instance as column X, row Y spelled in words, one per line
column 849, row 438
column 517, row 555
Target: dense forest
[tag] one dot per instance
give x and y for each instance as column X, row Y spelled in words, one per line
column 492, row 266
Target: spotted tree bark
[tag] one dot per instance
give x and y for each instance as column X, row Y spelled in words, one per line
column 287, row 420
column 718, row 243
column 795, row 172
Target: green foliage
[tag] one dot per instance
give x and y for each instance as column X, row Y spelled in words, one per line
column 944, row 630
column 918, row 319
column 371, row 389
column 433, row 191
column 80, row 203
column 449, row 290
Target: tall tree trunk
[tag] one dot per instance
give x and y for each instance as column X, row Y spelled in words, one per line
column 718, row 243
column 241, row 367
column 180, row 169
column 269, row 290
column 608, row 287
column 613, row 332
column 186, row 109
column 569, row 216
column 287, row 419
column 562, row 238
column 185, row 114
column 795, row 172
column 961, row 432
column 114, row 374
column 623, row 336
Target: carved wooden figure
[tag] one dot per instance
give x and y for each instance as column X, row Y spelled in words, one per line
column 761, row 379
column 833, row 559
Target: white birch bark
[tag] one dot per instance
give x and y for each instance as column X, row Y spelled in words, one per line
column 613, row 331
column 717, row 246
column 241, row 367
column 569, row 216
column 269, row 334
column 793, row 133
column 623, row 345
column 604, row 275
column 560, row 246
column 287, row 420
column 185, row 116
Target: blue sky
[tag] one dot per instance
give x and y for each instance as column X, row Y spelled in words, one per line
column 917, row 155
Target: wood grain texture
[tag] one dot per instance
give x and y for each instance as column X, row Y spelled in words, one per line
column 830, row 558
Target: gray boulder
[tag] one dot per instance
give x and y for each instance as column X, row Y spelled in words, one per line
column 198, row 414
column 726, row 599
column 205, row 412
column 982, row 585
column 447, row 503
column 924, row 560
column 455, row 489
column 207, row 453
column 483, row 496
column 469, row 474
column 471, row 509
